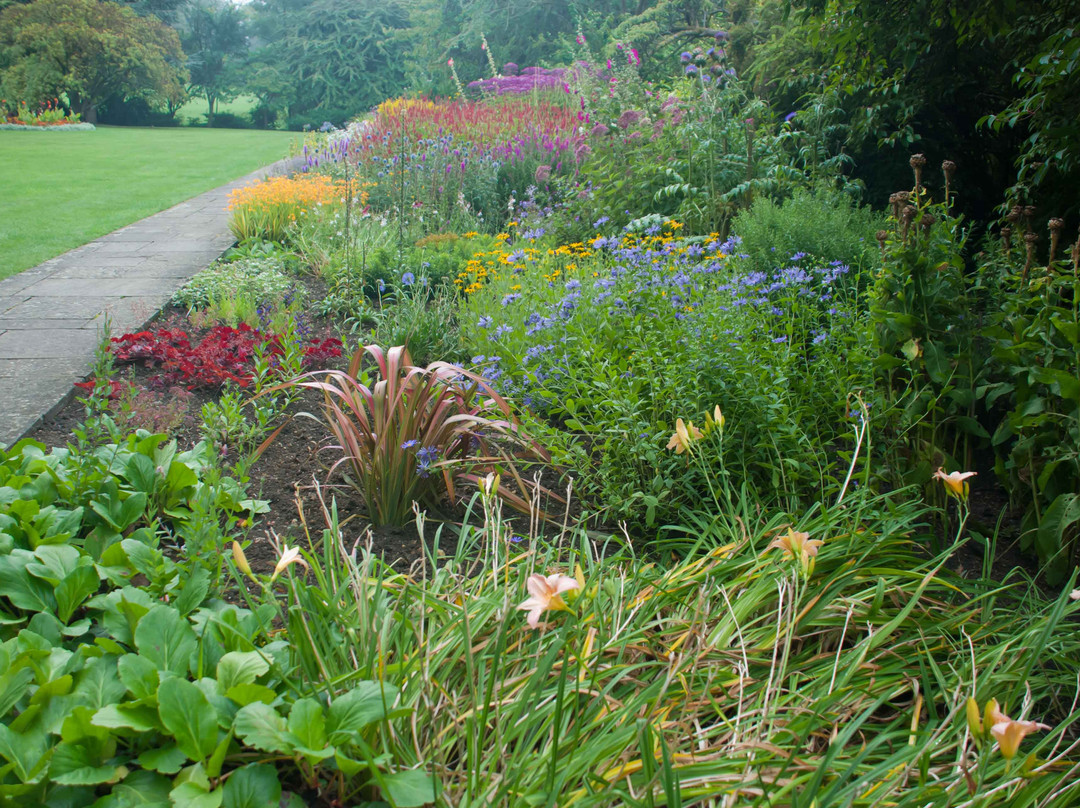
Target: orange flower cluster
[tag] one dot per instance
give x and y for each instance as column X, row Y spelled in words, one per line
column 267, row 209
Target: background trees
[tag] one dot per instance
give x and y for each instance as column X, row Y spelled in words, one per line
column 215, row 41
column 88, row 49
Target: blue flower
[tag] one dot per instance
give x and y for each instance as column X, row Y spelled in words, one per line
column 508, row 299
column 408, row 279
column 424, row 458
column 601, row 221
column 502, row 330
column 485, row 321
column 409, row 444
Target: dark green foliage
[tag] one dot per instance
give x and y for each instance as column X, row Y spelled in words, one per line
column 328, row 55
column 822, row 223
column 215, row 41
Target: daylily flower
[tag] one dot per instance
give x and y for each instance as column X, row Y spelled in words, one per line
column 1010, row 733
column 955, row 482
column 684, row 435
column 546, row 595
column 1007, row 732
column 289, row 555
column 714, row 421
column 797, row 545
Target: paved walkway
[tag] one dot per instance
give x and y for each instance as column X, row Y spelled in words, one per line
column 51, row 315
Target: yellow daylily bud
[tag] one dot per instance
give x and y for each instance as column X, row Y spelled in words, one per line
column 241, row 560
column 718, row 417
column 974, row 719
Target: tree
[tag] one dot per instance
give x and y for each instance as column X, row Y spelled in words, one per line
column 333, row 56
column 89, row 49
column 214, row 41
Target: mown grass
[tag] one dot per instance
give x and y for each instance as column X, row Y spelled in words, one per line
column 193, row 113
column 63, row 189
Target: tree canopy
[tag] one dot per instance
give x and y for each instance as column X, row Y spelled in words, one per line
column 88, row 49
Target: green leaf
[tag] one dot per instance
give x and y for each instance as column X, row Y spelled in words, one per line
column 138, row 717
column 240, row 668
column 76, row 765
column 362, row 705
column 260, row 726
column 165, row 638
column 307, row 724
column 13, row 685
column 139, row 675
column 25, row 751
column 248, row 694
column 77, row 586
column 20, row 587
column 195, row 795
column 142, row 789
column 253, row 786
column 141, row 474
column 194, row 591
column 97, row 684
column 187, row 714
column 165, row 759
column 409, row 789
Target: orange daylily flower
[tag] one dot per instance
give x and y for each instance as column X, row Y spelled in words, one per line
column 684, row 435
column 955, row 482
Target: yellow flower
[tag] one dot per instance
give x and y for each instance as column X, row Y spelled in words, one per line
column 955, row 482
column 546, row 595
column 715, row 420
column 684, row 435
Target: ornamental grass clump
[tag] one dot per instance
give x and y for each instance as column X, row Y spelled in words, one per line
column 415, row 433
column 266, row 210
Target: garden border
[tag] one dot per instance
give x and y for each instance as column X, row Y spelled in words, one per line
column 52, row 316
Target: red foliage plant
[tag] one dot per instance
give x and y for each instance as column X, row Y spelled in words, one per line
column 224, row 354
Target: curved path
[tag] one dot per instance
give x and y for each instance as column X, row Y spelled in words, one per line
column 51, row 316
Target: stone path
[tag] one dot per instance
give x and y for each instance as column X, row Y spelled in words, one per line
column 51, row 316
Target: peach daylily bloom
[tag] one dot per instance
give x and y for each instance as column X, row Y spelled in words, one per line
column 1010, row 733
column 684, row 435
column 546, row 595
column 955, row 482
column 289, row 555
column 796, row 544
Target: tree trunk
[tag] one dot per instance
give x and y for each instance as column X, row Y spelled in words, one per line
column 210, row 101
column 89, row 112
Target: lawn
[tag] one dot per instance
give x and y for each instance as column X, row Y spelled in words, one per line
column 69, row 188
column 194, row 111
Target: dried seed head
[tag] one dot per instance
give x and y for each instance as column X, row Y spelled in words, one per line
column 1056, row 225
column 908, row 213
column 1006, row 237
column 1015, row 213
column 1029, row 211
column 927, row 221
column 1031, row 238
column 948, row 167
column 1029, row 244
column 896, row 200
column 917, row 161
column 882, row 236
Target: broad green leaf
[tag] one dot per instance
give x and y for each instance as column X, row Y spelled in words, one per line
column 194, row 591
column 409, row 789
column 253, row 786
column 240, row 668
column 77, row 586
column 193, row 795
column 74, row 764
column 363, row 705
column 97, row 684
column 20, row 587
column 165, row 638
column 13, row 685
column 260, row 726
column 138, row 717
column 248, row 694
column 79, row 726
column 307, row 724
column 142, row 789
column 165, row 759
column 139, row 675
column 25, row 751
column 189, row 717
column 141, row 474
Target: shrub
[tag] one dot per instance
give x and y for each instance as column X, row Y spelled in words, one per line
column 822, row 223
column 262, row 280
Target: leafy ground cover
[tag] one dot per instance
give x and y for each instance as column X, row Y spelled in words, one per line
column 87, row 184
column 654, row 470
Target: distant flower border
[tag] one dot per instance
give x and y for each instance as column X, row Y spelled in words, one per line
column 65, row 127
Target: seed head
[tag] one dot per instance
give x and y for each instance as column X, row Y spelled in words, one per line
column 917, row 161
column 1015, row 213
column 927, row 221
column 948, row 167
